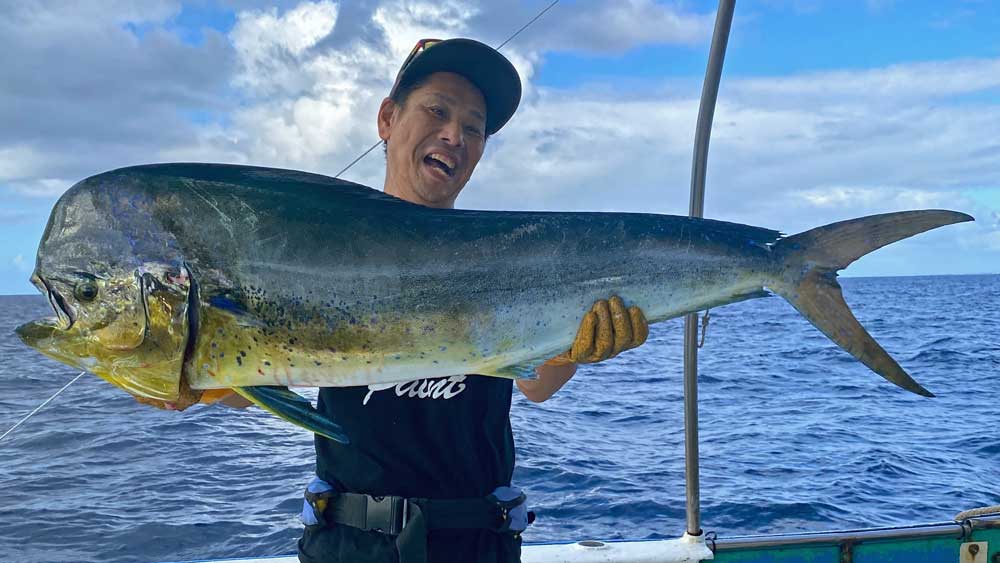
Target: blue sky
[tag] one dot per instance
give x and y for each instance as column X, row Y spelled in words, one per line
column 781, row 38
column 828, row 110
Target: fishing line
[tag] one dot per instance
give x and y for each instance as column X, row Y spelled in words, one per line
column 525, row 26
column 47, row 401
column 498, row 47
column 355, row 161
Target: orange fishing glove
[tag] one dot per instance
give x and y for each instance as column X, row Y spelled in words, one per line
column 607, row 330
column 186, row 397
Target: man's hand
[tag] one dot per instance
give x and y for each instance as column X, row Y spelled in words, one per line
column 607, row 330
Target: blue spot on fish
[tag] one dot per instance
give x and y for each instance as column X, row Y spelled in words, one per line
column 226, row 304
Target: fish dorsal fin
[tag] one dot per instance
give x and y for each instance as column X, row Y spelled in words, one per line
column 290, row 406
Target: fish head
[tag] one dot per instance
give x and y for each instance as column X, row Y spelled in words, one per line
column 117, row 314
column 129, row 328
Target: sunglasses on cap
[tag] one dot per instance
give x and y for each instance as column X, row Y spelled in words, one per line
column 420, row 47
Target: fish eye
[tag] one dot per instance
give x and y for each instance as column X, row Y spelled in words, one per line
column 85, row 291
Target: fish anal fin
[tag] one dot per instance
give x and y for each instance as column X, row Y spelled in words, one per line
column 294, row 408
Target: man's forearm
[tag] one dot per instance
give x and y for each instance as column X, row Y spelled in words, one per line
column 551, row 378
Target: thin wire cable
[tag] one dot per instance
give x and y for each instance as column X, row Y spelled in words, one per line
column 525, row 26
column 47, row 401
column 508, row 40
column 355, row 161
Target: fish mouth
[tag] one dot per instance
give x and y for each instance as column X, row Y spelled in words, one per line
column 48, row 337
column 36, row 332
column 63, row 312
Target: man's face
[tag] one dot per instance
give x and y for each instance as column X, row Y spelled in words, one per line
column 434, row 141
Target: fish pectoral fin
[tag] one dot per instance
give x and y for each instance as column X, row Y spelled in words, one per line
column 519, row 371
column 290, row 406
column 225, row 305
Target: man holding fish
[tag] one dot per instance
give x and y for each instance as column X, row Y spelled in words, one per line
column 442, row 438
column 180, row 282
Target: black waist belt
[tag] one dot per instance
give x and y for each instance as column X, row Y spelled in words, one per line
column 409, row 519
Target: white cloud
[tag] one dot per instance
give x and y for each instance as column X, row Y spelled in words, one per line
column 20, row 264
column 299, row 87
column 23, row 172
column 41, row 187
column 872, row 198
column 983, row 239
column 569, row 151
column 882, row 86
column 405, row 22
column 303, row 82
column 314, row 107
column 620, row 26
column 87, row 86
column 19, row 161
column 48, row 19
column 271, row 48
column 597, row 27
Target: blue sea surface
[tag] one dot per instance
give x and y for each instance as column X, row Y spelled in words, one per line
column 796, row 435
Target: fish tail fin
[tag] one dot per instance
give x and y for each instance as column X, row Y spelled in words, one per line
column 809, row 279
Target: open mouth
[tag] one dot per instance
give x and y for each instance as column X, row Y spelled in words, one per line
column 56, row 301
column 62, row 310
column 442, row 162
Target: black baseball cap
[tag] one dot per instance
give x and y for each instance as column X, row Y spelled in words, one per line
column 481, row 64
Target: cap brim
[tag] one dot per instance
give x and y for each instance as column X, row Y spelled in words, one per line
column 482, row 65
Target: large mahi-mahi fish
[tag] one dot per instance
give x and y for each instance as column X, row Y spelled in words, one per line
column 168, row 280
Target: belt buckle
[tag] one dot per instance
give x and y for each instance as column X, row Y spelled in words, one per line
column 318, row 503
column 386, row 514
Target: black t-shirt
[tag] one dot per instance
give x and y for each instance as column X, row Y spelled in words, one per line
column 446, row 437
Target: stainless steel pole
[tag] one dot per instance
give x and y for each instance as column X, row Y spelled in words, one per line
column 709, row 94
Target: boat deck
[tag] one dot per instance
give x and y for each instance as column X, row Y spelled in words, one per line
column 975, row 540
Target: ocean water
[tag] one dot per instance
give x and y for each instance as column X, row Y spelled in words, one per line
column 795, row 435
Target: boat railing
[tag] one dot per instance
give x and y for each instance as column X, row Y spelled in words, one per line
column 703, row 131
column 958, row 530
